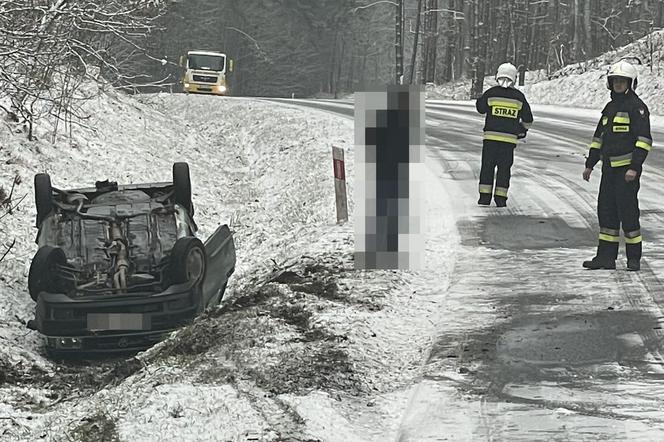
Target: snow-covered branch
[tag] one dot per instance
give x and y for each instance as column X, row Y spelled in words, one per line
column 51, row 45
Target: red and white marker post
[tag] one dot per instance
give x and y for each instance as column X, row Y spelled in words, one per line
column 340, row 184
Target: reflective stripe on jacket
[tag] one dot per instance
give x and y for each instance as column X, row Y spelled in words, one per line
column 622, row 136
column 507, row 112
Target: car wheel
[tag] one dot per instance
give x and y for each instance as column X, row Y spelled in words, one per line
column 188, row 261
column 43, row 196
column 182, row 184
column 43, row 270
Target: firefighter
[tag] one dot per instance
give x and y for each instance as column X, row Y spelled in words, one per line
column 622, row 141
column 508, row 118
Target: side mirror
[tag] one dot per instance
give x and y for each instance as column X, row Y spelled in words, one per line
column 230, row 65
column 181, row 63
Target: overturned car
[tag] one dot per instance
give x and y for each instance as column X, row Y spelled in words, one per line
column 119, row 266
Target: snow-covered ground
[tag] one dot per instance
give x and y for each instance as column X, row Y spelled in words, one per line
column 303, row 347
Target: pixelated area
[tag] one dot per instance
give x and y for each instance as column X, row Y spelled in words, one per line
column 389, row 143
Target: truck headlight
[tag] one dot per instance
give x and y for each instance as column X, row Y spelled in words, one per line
column 221, row 88
column 186, row 85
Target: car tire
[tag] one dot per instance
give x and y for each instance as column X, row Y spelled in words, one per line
column 188, row 261
column 43, row 196
column 42, row 276
column 182, row 185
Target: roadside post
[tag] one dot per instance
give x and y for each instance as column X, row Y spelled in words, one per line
column 340, row 184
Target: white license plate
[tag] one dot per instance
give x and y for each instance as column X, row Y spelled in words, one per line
column 118, row 321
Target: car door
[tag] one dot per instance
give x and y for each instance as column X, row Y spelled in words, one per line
column 220, row 251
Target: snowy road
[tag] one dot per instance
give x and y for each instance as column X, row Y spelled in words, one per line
column 531, row 346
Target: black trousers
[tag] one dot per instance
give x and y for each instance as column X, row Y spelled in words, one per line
column 496, row 155
column 618, row 206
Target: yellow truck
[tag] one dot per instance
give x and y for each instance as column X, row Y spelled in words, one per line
column 205, row 72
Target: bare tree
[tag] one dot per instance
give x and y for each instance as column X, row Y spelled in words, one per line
column 587, row 27
column 398, row 44
column 48, row 46
column 415, row 40
column 429, row 52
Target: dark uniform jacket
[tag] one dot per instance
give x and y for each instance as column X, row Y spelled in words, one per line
column 622, row 137
column 508, row 115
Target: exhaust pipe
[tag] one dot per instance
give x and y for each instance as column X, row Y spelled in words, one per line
column 121, row 258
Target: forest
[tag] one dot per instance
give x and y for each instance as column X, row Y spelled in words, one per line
column 299, row 47
column 303, row 47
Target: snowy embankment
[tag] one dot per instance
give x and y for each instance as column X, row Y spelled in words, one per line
column 584, row 84
column 303, row 347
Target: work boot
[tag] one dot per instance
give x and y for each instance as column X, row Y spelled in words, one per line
column 633, row 265
column 485, row 199
column 598, row 263
column 633, row 252
column 605, row 258
column 501, row 201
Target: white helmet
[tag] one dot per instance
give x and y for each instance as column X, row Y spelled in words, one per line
column 506, row 75
column 622, row 69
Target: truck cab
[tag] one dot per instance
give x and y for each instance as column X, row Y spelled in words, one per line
column 206, row 72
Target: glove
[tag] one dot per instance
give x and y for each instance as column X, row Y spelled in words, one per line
column 521, row 135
